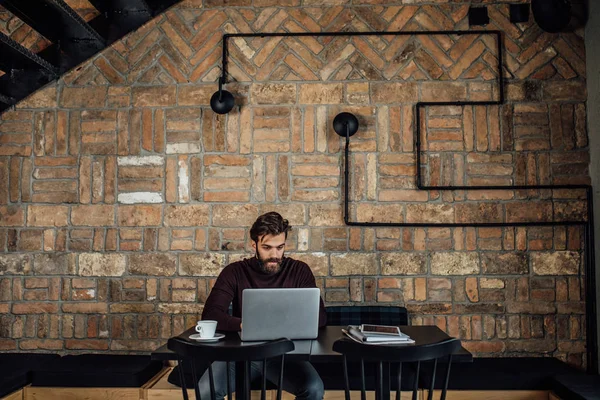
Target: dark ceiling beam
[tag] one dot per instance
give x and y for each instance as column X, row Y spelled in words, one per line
column 123, row 16
column 159, row 6
column 24, row 72
column 59, row 23
column 13, row 56
column 6, row 102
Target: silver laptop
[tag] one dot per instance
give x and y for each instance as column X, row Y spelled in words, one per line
column 280, row 313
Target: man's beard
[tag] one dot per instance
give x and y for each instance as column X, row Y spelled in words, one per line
column 270, row 269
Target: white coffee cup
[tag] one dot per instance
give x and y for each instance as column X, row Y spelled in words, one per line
column 206, row 329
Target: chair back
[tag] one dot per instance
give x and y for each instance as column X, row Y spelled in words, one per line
column 193, row 352
column 376, row 315
column 383, row 354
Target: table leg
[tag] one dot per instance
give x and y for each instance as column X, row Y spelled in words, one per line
column 240, row 390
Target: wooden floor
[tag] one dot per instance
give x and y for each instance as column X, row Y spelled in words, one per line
column 158, row 388
column 493, row 395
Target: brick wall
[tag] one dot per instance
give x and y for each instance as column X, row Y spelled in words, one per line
column 122, row 195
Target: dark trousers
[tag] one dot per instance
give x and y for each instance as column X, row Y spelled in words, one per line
column 299, row 378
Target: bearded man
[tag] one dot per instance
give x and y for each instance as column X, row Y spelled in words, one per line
column 269, row 268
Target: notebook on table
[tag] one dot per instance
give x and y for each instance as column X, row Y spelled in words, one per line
column 269, row 314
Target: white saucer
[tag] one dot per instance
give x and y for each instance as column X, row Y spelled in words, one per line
column 196, row 336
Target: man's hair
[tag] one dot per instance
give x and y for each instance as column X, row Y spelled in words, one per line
column 271, row 223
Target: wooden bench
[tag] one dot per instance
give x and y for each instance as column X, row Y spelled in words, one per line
column 16, row 395
column 162, row 389
column 576, row 386
column 93, row 377
column 15, row 372
column 518, row 378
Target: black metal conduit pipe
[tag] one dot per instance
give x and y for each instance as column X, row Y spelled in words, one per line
column 589, row 262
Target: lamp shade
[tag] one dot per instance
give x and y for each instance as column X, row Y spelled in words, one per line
column 552, row 15
column 345, row 122
column 224, row 104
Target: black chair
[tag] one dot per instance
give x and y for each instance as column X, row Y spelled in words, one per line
column 384, row 355
column 193, row 352
column 331, row 373
column 376, row 315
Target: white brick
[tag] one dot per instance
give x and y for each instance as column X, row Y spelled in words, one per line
column 182, row 148
column 140, row 161
column 184, row 182
column 140, row 197
column 303, row 239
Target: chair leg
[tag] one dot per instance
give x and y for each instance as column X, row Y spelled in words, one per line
column 247, row 379
column 227, row 365
column 182, row 380
column 446, row 379
column 363, row 386
column 263, row 392
column 380, row 381
column 347, row 381
column 280, row 383
column 416, row 384
column 398, row 394
column 211, row 378
column 432, row 383
column 195, row 378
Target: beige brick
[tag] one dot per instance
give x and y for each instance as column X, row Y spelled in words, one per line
column 202, row 264
column 353, row 264
column 437, row 213
column 139, row 215
column 97, row 264
column 93, row 215
column 325, row 215
column 403, row 264
column 83, row 97
column 55, row 264
column 153, row 264
column 555, row 263
column 188, row 215
column 234, row 215
column 47, row 215
column 379, row 213
column 154, row 96
column 504, row 264
column 272, row 93
column 15, row 264
column 318, row 262
column 12, row 216
column 393, row 92
column 320, row 93
column 457, row 263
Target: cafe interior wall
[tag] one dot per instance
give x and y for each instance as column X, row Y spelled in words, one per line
column 123, row 195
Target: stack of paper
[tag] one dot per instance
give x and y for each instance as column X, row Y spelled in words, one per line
column 354, row 333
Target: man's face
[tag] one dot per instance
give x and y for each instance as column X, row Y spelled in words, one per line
column 269, row 251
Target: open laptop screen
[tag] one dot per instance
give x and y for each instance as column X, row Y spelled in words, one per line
column 280, row 313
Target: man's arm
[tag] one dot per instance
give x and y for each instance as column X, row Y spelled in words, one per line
column 307, row 279
column 218, row 301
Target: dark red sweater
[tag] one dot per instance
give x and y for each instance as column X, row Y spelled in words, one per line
column 246, row 274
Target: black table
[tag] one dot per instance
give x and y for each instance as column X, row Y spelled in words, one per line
column 320, row 350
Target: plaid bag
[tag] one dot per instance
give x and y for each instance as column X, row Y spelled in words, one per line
column 356, row 315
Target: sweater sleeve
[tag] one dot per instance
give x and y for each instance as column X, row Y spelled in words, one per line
column 307, row 279
column 218, row 301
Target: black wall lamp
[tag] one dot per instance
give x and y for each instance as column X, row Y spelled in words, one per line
column 478, row 16
column 560, row 15
column 222, row 101
column 345, row 124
